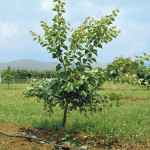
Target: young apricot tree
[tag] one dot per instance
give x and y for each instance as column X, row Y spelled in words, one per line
column 75, row 86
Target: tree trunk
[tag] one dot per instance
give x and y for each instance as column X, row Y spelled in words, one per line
column 65, row 115
column 8, row 85
column 0, row 78
column 64, row 122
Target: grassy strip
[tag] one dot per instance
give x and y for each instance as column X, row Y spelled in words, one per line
column 128, row 123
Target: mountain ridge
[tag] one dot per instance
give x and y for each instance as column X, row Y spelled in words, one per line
column 28, row 64
column 31, row 64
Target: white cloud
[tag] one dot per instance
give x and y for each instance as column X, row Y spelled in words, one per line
column 46, row 5
column 8, row 31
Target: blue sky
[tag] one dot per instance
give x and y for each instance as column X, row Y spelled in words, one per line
column 18, row 17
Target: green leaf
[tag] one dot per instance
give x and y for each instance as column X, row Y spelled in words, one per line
column 65, row 47
column 84, row 60
column 24, row 133
column 79, row 53
column 86, row 51
column 94, row 52
column 84, row 147
column 54, row 55
column 141, row 62
column 100, row 45
column 44, row 45
column 54, row 19
column 63, row 10
column 88, row 66
column 93, row 59
column 67, row 135
column 55, row 26
column 83, row 93
column 74, row 139
column 63, row 139
column 49, row 91
column 42, row 142
column 89, row 55
column 58, row 67
column 34, row 137
column 54, row 9
column 34, row 38
column 78, row 144
column 51, row 139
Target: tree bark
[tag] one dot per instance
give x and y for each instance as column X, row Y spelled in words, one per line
column 65, row 115
column 64, row 121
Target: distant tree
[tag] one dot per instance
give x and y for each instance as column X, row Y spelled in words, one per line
column 134, row 72
column 143, row 72
column 8, row 75
column 0, row 76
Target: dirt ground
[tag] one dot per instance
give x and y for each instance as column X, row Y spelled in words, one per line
column 13, row 143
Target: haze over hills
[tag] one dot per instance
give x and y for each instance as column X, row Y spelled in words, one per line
column 37, row 65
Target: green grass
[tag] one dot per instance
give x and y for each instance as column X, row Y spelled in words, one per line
column 128, row 123
column 1, row 148
column 126, row 90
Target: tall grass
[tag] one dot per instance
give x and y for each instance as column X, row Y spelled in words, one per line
column 128, row 123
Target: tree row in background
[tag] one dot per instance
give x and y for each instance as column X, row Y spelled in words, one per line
column 23, row 75
column 125, row 70
column 120, row 70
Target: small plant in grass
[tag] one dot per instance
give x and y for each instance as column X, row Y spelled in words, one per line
column 8, row 75
column 74, row 88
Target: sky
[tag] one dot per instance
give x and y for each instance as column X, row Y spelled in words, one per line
column 18, row 17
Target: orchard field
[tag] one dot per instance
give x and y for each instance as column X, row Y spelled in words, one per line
column 84, row 107
column 119, row 127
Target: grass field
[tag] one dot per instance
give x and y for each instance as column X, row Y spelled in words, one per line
column 129, row 122
column 128, row 91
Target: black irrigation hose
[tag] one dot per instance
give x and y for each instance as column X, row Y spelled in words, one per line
column 30, row 138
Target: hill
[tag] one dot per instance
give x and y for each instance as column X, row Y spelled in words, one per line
column 29, row 65
column 98, row 64
column 37, row 65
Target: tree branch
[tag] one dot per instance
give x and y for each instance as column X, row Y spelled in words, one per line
column 64, row 64
column 86, row 60
column 74, row 55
